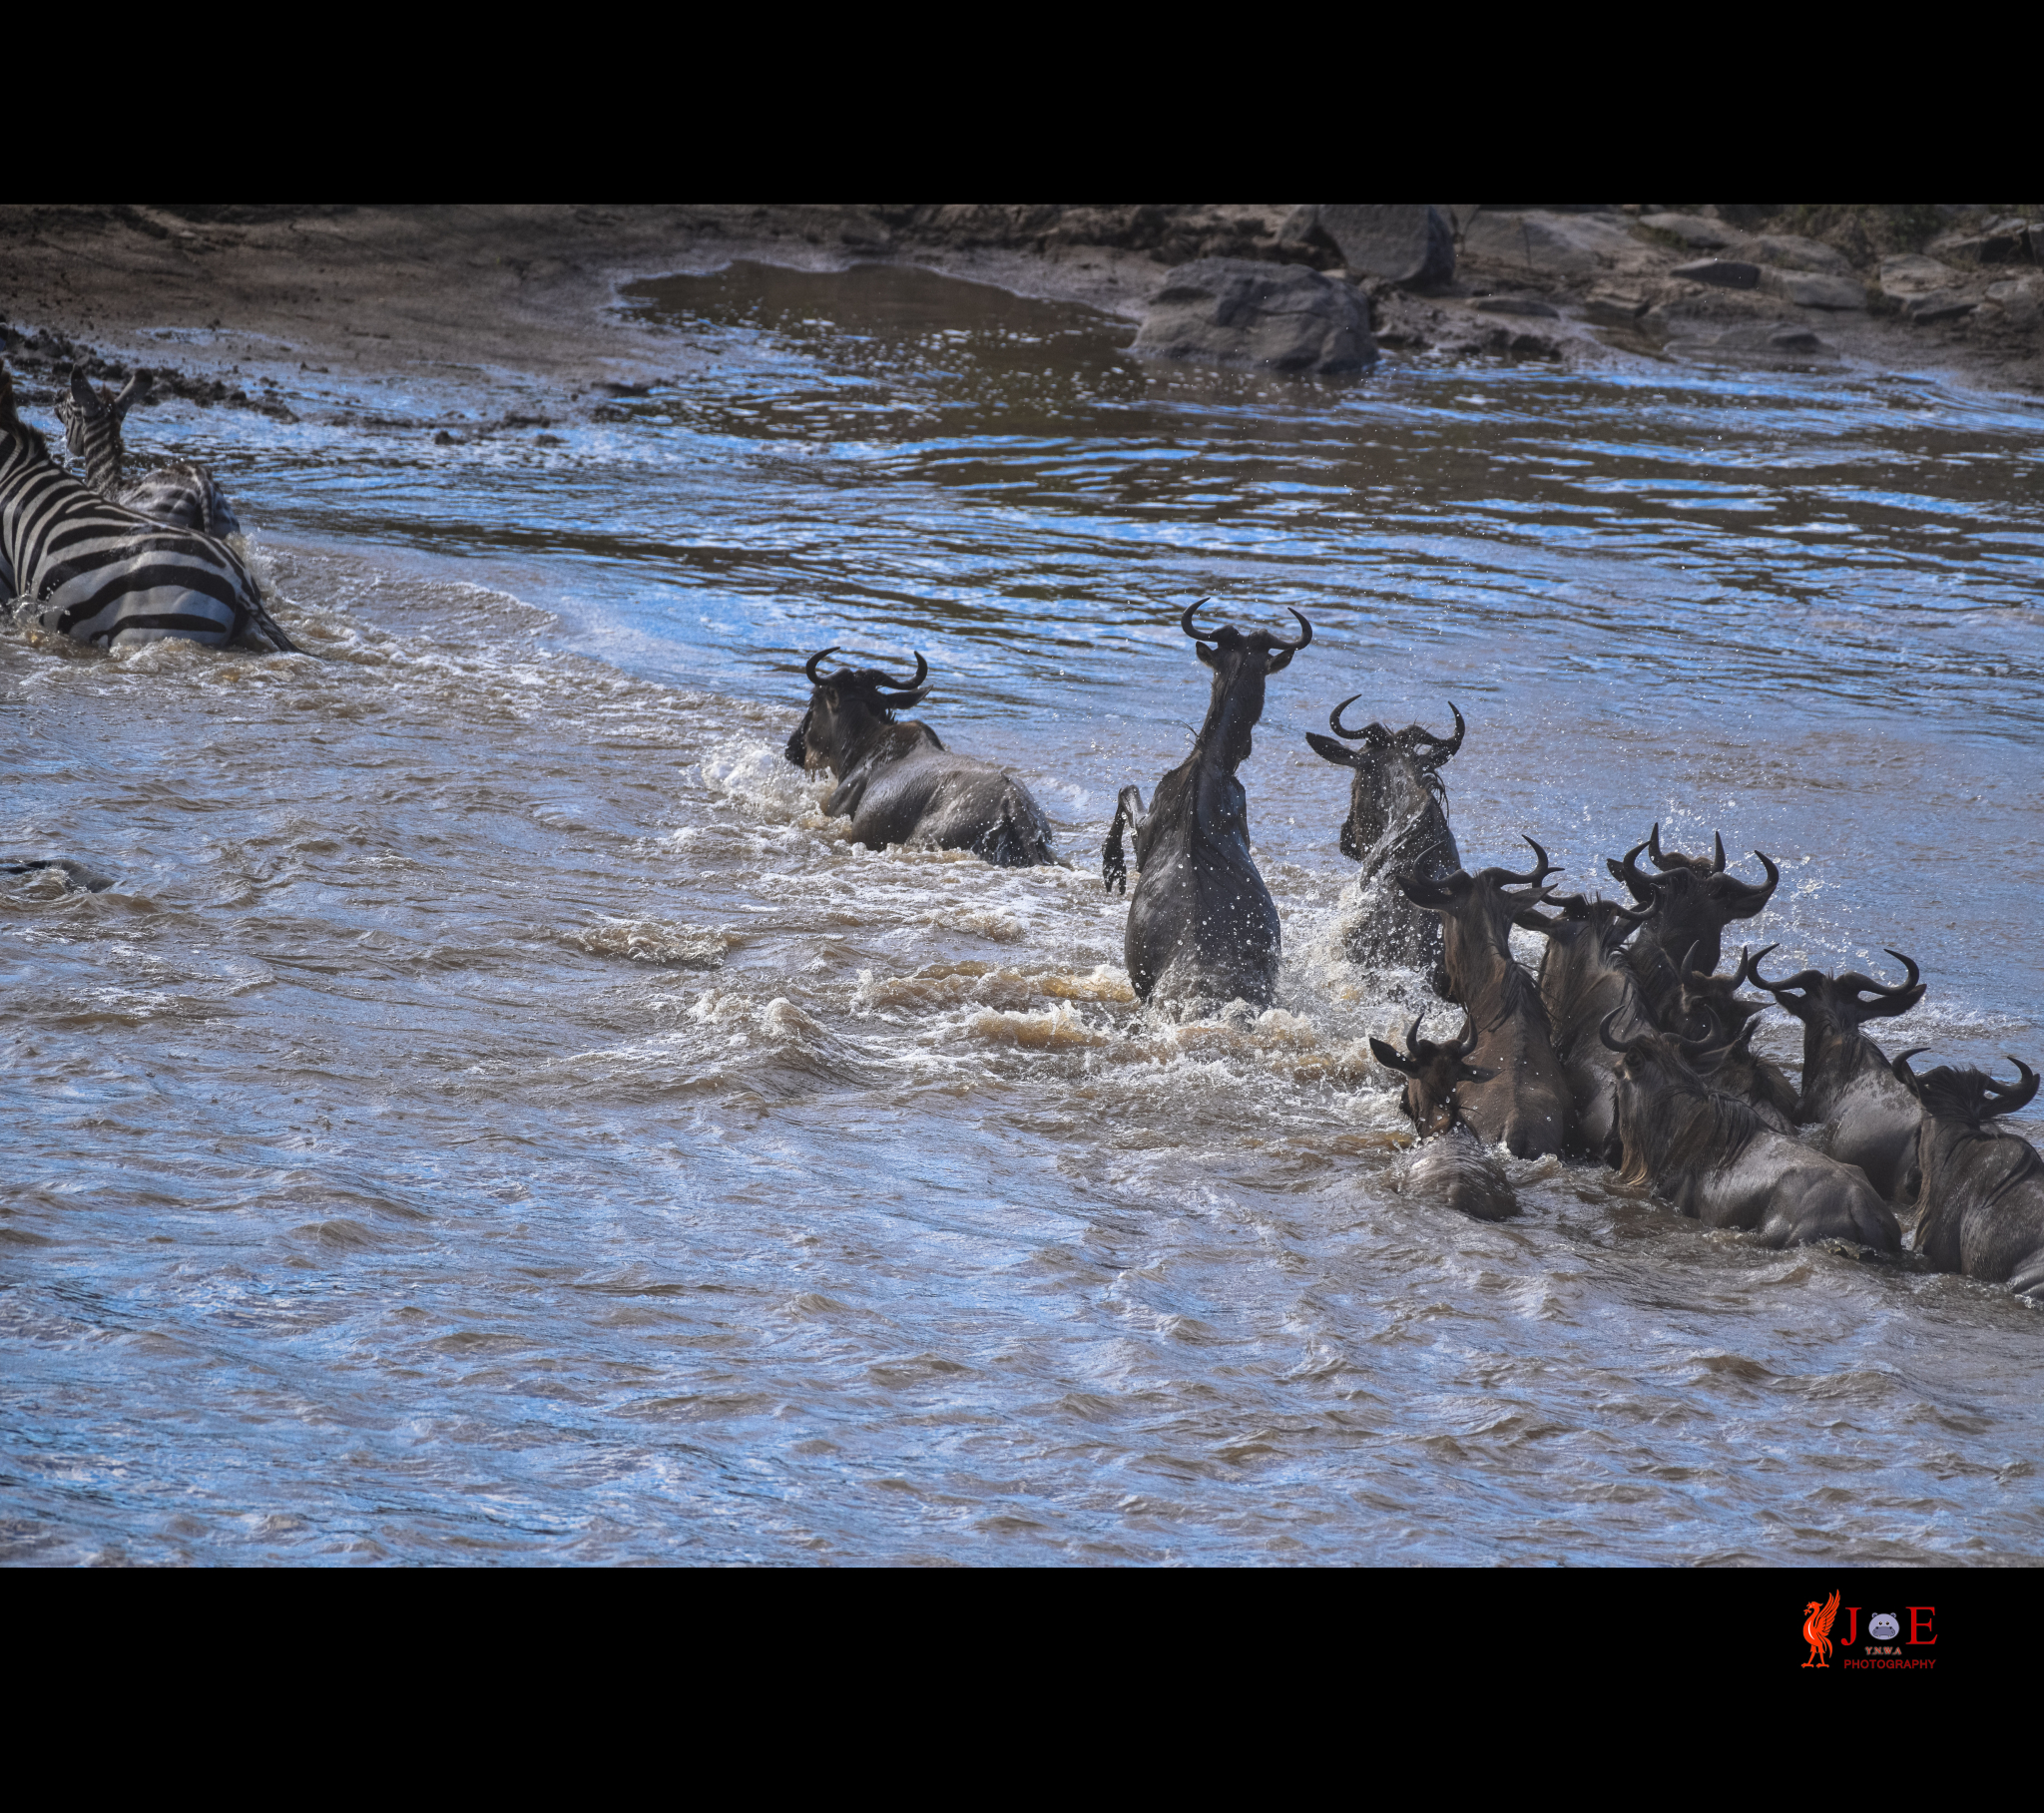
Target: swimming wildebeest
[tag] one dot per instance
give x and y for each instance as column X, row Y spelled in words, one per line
column 1202, row 924
column 1583, row 977
column 1861, row 1110
column 1710, row 1009
column 1715, row 1159
column 1698, row 899
column 1981, row 1210
column 1451, row 1162
column 898, row 784
column 1526, row 1103
column 1397, row 822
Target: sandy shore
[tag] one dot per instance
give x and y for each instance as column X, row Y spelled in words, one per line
column 532, row 290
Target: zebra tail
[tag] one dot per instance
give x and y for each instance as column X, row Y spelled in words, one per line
column 268, row 626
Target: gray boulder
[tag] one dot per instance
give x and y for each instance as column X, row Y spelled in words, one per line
column 1723, row 274
column 1240, row 312
column 1693, row 230
column 1403, row 243
column 1910, row 274
column 1787, row 251
column 1813, row 289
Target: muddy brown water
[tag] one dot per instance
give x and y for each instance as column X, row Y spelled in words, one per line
column 494, row 1114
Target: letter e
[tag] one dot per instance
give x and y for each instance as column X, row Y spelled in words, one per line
column 1916, row 1622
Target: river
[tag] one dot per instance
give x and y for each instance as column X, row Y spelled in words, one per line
column 495, row 1115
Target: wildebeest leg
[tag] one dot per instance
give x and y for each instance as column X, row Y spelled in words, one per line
column 844, row 798
column 1128, row 809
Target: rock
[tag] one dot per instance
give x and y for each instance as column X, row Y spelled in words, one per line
column 2021, row 301
column 1784, row 252
column 1564, row 245
column 1514, row 305
column 1724, row 274
column 1814, row 290
column 1611, row 308
column 1939, row 305
column 1693, row 230
column 1795, row 339
column 1910, row 274
column 444, row 439
column 1243, row 312
column 1407, row 243
column 1756, row 344
column 2004, row 243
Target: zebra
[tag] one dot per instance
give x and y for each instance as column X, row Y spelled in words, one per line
column 101, row 572
column 180, row 493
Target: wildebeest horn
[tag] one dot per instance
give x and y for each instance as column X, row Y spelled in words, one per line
column 1749, row 967
column 1336, row 724
column 1533, row 880
column 1802, row 979
column 1424, row 893
column 1641, row 884
column 1186, row 621
column 1660, row 862
column 1604, row 1032
column 1305, row 633
column 2008, row 1097
column 1748, row 897
column 1444, row 746
column 1465, row 1040
column 1870, row 987
column 1716, row 852
column 923, row 672
column 1900, row 1064
column 1685, row 968
column 811, row 669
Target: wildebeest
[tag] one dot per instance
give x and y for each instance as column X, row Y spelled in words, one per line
column 1451, row 1163
column 1715, row 1159
column 1526, row 1102
column 1202, row 924
column 1583, row 977
column 1858, row 1108
column 898, row 784
column 1697, row 900
column 1710, row 1009
column 1397, row 822
column 1982, row 1203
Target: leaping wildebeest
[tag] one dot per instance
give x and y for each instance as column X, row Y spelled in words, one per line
column 1202, row 924
column 1858, row 1108
column 1526, row 1103
column 1697, row 900
column 1981, row 1210
column 898, row 784
column 1715, row 1159
column 1451, row 1163
column 1397, row 822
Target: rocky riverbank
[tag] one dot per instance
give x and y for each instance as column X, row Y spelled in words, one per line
column 1957, row 290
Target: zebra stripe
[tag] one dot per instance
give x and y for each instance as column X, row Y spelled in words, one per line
column 180, row 493
column 103, row 574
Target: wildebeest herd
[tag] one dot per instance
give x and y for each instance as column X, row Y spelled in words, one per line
column 1626, row 1048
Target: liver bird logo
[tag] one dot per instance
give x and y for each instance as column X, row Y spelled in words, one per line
column 1816, row 1630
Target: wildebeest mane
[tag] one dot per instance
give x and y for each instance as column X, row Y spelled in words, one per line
column 1692, row 1128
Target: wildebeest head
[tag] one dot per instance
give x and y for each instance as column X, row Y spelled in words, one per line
column 1841, row 1003
column 1240, row 663
column 1431, row 1071
column 1396, row 783
column 1712, row 1005
column 1608, row 922
column 844, row 710
column 1698, row 898
column 1667, row 1115
column 1966, row 1096
column 1476, row 917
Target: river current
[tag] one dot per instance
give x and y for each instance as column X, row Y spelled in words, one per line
column 494, row 1114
